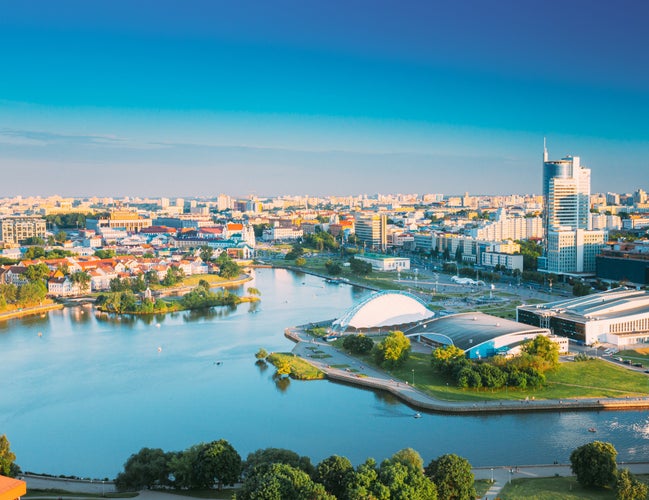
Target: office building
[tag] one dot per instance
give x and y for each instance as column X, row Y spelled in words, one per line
column 570, row 244
column 371, row 230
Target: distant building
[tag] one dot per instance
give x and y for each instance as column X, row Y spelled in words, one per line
column 18, row 229
column 121, row 220
column 627, row 262
column 385, row 263
column 371, row 230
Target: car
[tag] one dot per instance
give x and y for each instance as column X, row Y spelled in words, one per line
column 646, row 371
column 627, row 361
column 638, row 365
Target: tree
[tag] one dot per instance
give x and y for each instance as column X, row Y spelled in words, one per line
column 336, row 474
column 300, row 261
column 406, row 483
column 261, row 354
column 206, row 253
column 365, row 483
column 358, row 344
column 145, row 469
column 594, row 464
column 82, row 278
column 627, row 487
column 267, row 456
column 37, row 272
column 185, row 467
column 220, row 463
column 61, row 236
column 360, row 267
column 546, row 352
column 453, row 477
column 105, row 254
column 393, row 350
column 444, row 357
column 6, row 457
column 333, row 267
column 580, row 289
column 228, row 268
column 279, row 481
column 254, row 291
column 34, row 253
column 31, row 293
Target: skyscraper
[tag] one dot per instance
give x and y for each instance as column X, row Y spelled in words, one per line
column 570, row 245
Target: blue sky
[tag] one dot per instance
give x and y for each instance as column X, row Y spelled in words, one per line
column 163, row 98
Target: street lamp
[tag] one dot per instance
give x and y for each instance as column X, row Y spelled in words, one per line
column 413, row 377
column 492, row 474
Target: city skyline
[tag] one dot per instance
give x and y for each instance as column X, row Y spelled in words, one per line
column 155, row 99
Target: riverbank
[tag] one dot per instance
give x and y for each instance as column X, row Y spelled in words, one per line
column 30, row 311
column 340, row 367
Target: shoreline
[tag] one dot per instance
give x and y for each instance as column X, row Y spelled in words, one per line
column 376, row 379
column 30, row 311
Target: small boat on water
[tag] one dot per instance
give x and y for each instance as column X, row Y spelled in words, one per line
column 592, row 429
column 417, row 415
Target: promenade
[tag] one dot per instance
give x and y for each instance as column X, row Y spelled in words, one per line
column 372, row 378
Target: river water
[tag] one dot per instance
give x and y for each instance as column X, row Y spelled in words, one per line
column 89, row 390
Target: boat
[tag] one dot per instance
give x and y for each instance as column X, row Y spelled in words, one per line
column 417, row 415
column 592, row 429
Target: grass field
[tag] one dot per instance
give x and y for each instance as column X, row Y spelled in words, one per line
column 553, row 488
column 595, row 379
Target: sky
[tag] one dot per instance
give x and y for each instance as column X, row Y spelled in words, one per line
column 336, row 97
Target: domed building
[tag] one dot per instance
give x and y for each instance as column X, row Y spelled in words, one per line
column 395, row 310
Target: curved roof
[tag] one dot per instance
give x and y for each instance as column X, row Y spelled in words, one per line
column 384, row 309
column 467, row 330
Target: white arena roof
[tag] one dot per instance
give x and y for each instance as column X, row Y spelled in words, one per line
column 384, row 309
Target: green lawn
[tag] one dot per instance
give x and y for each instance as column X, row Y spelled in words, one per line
column 481, row 487
column 226, row 494
column 571, row 380
column 552, row 488
column 59, row 493
column 636, row 355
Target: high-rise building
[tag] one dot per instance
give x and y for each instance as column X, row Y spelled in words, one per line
column 570, row 245
column 371, row 230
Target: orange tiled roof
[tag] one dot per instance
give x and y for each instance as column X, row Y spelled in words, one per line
column 10, row 488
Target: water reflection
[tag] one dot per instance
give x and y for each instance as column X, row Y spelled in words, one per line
column 281, row 383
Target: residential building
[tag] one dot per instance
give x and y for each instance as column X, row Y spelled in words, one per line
column 18, row 229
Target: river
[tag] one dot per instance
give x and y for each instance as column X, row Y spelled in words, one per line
column 90, row 390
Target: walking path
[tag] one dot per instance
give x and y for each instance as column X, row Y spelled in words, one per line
column 344, row 368
column 503, row 475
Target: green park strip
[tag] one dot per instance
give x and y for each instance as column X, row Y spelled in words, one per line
column 225, row 494
column 57, row 493
column 299, row 368
column 554, row 488
column 588, row 379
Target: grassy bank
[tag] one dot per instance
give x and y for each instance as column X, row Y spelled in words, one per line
column 300, row 369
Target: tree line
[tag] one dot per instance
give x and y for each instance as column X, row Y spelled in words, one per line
column 279, row 474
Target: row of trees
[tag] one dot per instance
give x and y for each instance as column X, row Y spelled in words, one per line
column 524, row 371
column 277, row 474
